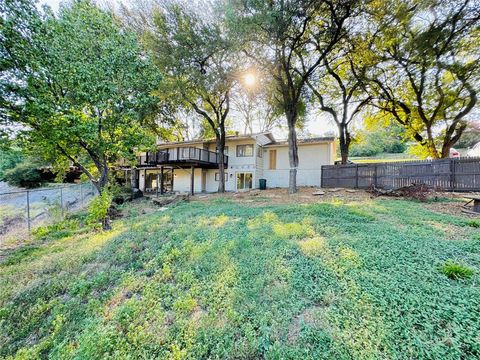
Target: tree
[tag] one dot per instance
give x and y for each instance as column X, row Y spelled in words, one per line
column 197, row 58
column 338, row 88
column 427, row 76
column 289, row 39
column 9, row 158
column 256, row 109
column 81, row 88
column 471, row 136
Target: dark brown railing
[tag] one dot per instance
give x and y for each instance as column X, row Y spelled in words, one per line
column 181, row 155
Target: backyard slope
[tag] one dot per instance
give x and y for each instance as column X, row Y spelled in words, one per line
column 225, row 279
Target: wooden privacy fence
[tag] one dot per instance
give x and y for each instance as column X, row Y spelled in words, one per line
column 461, row 174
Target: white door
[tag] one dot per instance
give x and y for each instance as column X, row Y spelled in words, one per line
column 244, row 181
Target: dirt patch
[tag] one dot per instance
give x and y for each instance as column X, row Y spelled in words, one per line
column 313, row 316
column 453, row 206
column 443, row 202
column 305, row 195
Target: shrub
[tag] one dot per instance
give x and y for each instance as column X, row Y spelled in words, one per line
column 57, row 230
column 98, row 209
column 456, row 271
column 473, row 223
column 25, row 174
column 9, row 158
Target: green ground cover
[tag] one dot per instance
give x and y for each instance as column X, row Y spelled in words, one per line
column 221, row 279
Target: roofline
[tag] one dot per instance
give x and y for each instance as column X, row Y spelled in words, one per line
column 212, row 141
column 323, row 140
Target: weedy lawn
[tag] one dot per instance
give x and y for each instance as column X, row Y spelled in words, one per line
column 221, row 279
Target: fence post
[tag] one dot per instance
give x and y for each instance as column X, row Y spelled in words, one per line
column 452, row 174
column 375, row 176
column 356, row 176
column 28, row 212
column 81, row 195
column 61, row 201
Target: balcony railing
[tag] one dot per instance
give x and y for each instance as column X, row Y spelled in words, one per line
column 182, row 155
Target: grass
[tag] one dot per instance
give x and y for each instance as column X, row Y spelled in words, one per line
column 456, row 271
column 223, row 280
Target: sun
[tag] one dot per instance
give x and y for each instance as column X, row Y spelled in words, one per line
column 250, row 79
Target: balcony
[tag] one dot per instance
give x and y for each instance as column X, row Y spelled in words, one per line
column 183, row 157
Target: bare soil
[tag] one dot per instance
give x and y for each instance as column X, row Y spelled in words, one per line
column 441, row 202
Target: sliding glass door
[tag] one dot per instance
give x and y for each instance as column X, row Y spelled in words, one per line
column 244, row 181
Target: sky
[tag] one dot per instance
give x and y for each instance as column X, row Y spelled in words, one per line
column 315, row 125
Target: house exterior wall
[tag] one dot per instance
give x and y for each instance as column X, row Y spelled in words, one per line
column 247, row 164
column 181, row 180
column 311, row 157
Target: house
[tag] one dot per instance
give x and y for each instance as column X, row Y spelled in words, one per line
column 192, row 166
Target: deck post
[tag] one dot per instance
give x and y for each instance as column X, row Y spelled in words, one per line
column 192, row 181
column 144, row 180
column 161, row 180
column 158, row 181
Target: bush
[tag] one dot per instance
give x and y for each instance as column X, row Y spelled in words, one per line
column 380, row 140
column 473, row 223
column 25, row 174
column 9, row 158
column 456, row 271
column 98, row 209
column 58, row 230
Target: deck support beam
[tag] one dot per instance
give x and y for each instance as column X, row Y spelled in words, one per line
column 192, row 181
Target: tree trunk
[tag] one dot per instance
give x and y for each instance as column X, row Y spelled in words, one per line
column 292, row 152
column 100, row 185
column 344, row 141
column 221, row 165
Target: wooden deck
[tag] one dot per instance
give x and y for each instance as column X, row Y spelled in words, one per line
column 182, row 157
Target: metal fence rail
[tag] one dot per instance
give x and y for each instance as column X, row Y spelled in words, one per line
column 22, row 211
column 461, row 174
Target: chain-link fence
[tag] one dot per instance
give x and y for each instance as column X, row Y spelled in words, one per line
column 22, row 211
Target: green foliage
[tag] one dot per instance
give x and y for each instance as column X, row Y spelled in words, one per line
column 224, row 279
column 457, row 271
column 373, row 141
column 424, row 73
column 99, row 207
column 9, row 158
column 474, row 223
column 57, row 230
column 87, row 87
column 469, row 138
column 25, row 174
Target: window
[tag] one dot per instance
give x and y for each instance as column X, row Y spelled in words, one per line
column 272, row 164
column 245, row 150
column 217, row 176
column 259, row 151
column 225, row 150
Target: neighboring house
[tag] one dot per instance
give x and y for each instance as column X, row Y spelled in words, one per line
column 192, row 166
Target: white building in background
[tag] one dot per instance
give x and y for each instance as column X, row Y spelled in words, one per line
column 193, row 165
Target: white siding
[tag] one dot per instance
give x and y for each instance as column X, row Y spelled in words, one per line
column 181, row 180
column 237, row 164
column 311, row 157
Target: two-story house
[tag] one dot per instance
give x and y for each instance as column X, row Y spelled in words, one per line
column 192, row 166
